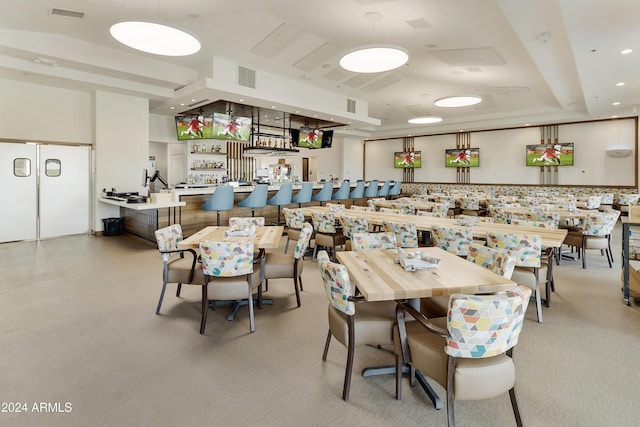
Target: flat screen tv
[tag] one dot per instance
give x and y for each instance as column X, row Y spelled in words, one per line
column 407, row 159
column 462, row 157
column 550, row 154
column 193, row 127
column 231, row 127
column 327, row 138
column 310, row 138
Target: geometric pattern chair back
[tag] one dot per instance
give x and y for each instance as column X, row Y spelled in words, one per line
column 361, row 208
column 499, row 215
column 372, row 202
column 440, row 210
column 455, row 240
column 168, row 239
column 365, row 241
column 335, row 207
column 485, row 325
column 322, row 257
column 599, row 224
column 353, row 224
column 469, row 203
column 324, row 222
column 406, row 207
column 536, row 223
column 406, row 234
column 593, row 202
column 294, row 218
column 258, row 221
column 627, row 199
column 392, row 211
column 525, row 248
column 226, row 259
column 534, row 215
column 607, row 199
column 303, row 240
column 337, row 285
column 500, row 262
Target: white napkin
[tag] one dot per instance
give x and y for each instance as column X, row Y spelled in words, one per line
column 237, row 230
column 415, row 261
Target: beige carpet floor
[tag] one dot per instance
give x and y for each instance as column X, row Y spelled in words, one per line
column 78, row 332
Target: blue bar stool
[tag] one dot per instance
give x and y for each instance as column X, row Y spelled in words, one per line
column 220, row 200
column 282, row 197
column 384, row 190
column 395, row 189
column 343, row 191
column 371, row 190
column 304, row 194
column 257, row 198
column 324, row 195
column 357, row 192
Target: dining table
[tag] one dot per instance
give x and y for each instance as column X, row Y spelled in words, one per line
column 552, row 238
column 419, row 205
column 378, row 277
column 565, row 213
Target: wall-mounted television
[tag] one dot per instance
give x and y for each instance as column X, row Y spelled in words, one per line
column 327, row 138
column 310, row 138
column 235, row 128
column 462, row 157
column 407, row 159
column 194, row 127
column 550, row 154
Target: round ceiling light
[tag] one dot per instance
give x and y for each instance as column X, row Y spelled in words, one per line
column 425, row 120
column 155, row 38
column 457, row 101
column 374, row 59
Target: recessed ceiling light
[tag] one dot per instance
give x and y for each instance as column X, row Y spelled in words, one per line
column 172, row 108
column 527, row 124
column 616, row 103
column 155, row 38
column 425, row 120
column 620, row 84
column 626, row 51
column 457, row 101
column 374, row 59
column 273, row 106
column 182, row 104
column 614, row 117
column 241, row 100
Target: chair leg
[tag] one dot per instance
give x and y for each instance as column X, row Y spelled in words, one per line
column 300, row 283
column 286, row 245
column 205, row 309
column 178, row 289
column 295, row 286
column 252, row 326
column 451, row 369
column 326, row 347
column 398, row 377
column 538, row 298
column 350, row 353
column 165, row 276
column 514, row 405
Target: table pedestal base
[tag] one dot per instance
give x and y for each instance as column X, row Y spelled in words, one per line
column 240, row 303
column 391, row 369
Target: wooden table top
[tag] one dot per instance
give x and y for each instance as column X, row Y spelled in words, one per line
column 380, row 279
column 266, row 237
column 550, row 237
column 418, row 204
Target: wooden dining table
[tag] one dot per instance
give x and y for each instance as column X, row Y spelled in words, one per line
column 552, row 238
column 265, row 237
column 568, row 214
column 417, row 204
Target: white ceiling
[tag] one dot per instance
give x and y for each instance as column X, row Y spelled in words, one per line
column 532, row 61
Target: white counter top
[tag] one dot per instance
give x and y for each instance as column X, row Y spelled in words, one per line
column 244, row 189
column 141, row 206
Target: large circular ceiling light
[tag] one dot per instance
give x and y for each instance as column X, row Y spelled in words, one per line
column 155, row 38
column 425, row 120
column 457, row 101
column 374, row 59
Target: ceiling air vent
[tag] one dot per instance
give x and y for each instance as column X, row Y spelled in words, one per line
column 66, row 13
column 351, row 106
column 246, row 77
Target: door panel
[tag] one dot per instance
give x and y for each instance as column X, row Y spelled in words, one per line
column 18, row 208
column 64, row 190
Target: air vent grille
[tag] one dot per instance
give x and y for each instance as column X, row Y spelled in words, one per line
column 66, row 13
column 246, row 77
column 351, row 106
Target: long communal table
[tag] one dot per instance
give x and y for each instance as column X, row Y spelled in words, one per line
column 552, row 238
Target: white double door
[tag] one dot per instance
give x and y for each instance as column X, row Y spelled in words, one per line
column 44, row 191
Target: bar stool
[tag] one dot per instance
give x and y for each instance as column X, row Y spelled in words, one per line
column 324, row 195
column 357, row 192
column 384, row 190
column 343, row 191
column 257, row 198
column 304, row 194
column 371, row 190
column 282, row 197
column 220, row 200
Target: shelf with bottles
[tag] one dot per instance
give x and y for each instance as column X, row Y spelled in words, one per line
column 210, row 148
column 208, row 169
column 205, row 179
column 207, row 164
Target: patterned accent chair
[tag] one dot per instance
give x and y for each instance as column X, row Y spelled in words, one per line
column 294, row 219
column 229, row 275
column 282, row 266
column 335, row 207
column 406, row 233
column 372, row 202
column 327, row 235
column 258, row 221
column 365, row 241
column 176, row 268
column 596, row 234
column 527, row 250
column 392, row 211
column 440, row 210
column 372, row 323
column 593, row 202
column 606, row 202
column 361, row 208
column 405, row 206
column 471, row 206
column 624, row 200
column 455, row 240
column 353, row 224
column 553, row 217
column 470, row 356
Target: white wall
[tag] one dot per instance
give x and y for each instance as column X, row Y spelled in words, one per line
column 352, row 153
